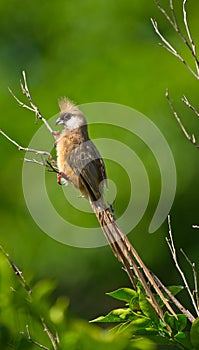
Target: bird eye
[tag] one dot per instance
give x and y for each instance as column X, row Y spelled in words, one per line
column 67, row 116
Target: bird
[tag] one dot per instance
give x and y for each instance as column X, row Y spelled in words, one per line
column 80, row 163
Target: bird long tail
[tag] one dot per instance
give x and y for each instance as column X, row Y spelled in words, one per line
column 128, row 256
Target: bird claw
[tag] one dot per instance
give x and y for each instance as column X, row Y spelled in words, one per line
column 62, row 176
column 59, row 176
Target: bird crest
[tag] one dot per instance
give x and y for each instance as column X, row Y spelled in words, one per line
column 66, row 105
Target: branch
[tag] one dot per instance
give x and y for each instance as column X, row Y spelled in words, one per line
column 174, row 256
column 33, row 341
column 25, row 149
column 188, row 104
column 175, row 301
column 193, row 266
column 195, row 226
column 188, row 42
column 193, row 46
column 32, row 107
column 189, row 137
column 17, row 272
column 50, row 164
column 52, row 338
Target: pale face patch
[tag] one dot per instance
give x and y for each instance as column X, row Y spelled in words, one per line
column 73, row 123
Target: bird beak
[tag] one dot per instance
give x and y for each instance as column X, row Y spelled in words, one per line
column 59, row 121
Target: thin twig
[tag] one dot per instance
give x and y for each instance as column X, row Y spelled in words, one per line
column 189, row 43
column 177, row 28
column 32, row 107
column 34, row 161
column 193, row 46
column 171, row 49
column 17, row 272
column 33, row 341
column 174, row 256
column 25, row 149
column 167, row 46
column 52, row 338
column 164, row 12
column 189, row 105
column 191, row 138
column 193, row 266
column 175, row 301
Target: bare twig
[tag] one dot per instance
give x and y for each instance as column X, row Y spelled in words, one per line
column 25, row 149
column 189, row 137
column 17, row 272
column 33, row 341
column 171, row 49
column 174, row 256
column 43, row 162
column 34, row 161
column 164, row 12
column 175, row 301
column 189, row 105
column 52, row 338
column 32, row 107
column 188, row 42
column 193, row 46
column 195, row 226
column 176, row 26
column 193, row 266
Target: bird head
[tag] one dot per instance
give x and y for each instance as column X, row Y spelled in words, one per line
column 70, row 116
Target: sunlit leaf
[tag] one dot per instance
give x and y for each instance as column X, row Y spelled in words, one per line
column 118, row 315
column 124, row 294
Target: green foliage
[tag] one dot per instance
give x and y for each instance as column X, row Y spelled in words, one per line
column 24, row 316
column 194, row 333
column 31, row 320
column 138, row 319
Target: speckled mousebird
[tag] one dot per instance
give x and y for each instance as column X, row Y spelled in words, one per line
column 79, row 162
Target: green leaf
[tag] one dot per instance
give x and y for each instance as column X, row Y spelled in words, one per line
column 134, row 304
column 183, row 338
column 139, row 326
column 194, row 333
column 175, row 289
column 124, row 294
column 146, row 307
column 117, row 315
column 177, row 324
column 140, row 323
column 182, row 322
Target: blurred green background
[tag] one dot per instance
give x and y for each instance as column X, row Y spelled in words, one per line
column 95, row 51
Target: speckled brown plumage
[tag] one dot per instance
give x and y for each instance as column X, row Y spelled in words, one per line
column 80, row 162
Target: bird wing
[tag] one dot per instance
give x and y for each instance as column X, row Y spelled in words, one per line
column 88, row 165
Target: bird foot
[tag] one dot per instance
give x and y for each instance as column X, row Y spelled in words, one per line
column 61, row 175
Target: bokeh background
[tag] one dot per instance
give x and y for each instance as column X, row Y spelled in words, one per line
column 95, row 51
